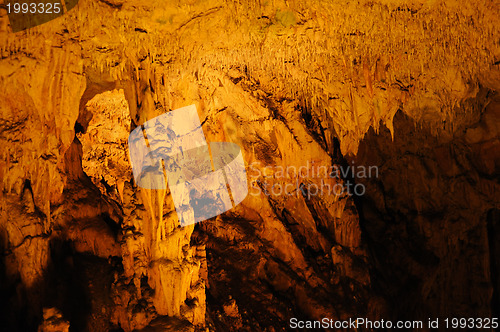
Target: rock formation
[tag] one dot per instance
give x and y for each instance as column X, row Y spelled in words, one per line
column 409, row 88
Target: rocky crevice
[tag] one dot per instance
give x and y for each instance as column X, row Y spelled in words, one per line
column 493, row 223
column 427, row 212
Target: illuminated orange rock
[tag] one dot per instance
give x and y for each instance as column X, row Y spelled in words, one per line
column 410, row 87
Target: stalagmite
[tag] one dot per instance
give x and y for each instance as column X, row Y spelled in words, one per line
column 408, row 87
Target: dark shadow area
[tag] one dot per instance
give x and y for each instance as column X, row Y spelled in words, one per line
column 66, row 285
column 20, row 305
column 78, row 285
column 422, row 222
column 232, row 276
column 493, row 221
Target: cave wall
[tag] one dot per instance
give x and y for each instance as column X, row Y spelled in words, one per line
column 292, row 83
column 428, row 217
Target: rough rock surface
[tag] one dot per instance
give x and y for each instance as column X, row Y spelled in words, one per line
column 53, row 321
column 408, row 86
